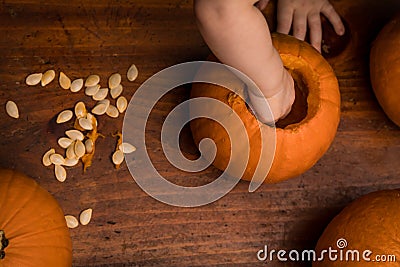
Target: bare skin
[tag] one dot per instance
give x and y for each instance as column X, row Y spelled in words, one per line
column 238, row 34
column 306, row 13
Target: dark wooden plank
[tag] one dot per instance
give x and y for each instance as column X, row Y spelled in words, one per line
column 129, row 227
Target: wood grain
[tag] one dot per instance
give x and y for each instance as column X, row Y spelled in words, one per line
column 129, row 228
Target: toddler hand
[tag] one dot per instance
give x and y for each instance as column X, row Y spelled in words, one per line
column 280, row 103
column 303, row 13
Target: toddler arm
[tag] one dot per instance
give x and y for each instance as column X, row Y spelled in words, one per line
column 237, row 33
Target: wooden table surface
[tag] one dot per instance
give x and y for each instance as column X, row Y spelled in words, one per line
column 130, row 228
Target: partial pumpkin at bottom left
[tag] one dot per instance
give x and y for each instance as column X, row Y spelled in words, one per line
column 33, row 231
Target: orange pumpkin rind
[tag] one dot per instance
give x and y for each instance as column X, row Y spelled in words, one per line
column 34, row 224
column 298, row 145
column 371, row 222
column 385, row 70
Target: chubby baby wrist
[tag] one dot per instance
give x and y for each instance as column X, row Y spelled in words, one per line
column 270, row 109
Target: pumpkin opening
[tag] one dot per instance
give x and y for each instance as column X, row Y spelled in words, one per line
column 300, row 106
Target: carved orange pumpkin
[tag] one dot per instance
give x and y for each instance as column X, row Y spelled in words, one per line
column 385, row 70
column 33, row 230
column 370, row 223
column 302, row 137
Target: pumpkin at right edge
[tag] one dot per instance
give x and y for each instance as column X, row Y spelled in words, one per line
column 385, row 69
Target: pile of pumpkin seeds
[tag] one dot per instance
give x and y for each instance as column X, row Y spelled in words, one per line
column 79, row 142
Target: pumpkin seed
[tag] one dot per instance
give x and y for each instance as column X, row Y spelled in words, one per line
column 70, row 153
column 122, row 104
column 71, row 162
column 92, row 80
column 48, row 77
column 92, row 90
column 85, row 124
column 89, row 146
column 65, row 142
column 57, row 159
column 34, row 79
column 74, row 135
column 79, row 148
column 127, row 148
column 118, row 157
column 46, row 157
column 80, row 110
column 132, row 73
column 76, row 85
column 64, row 116
column 101, row 107
column 64, row 81
column 114, row 80
column 85, row 216
column 12, row 109
column 71, row 221
column 60, row 172
column 116, row 91
column 112, row 111
column 101, row 94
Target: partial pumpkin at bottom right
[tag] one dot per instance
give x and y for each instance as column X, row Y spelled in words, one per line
column 365, row 233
